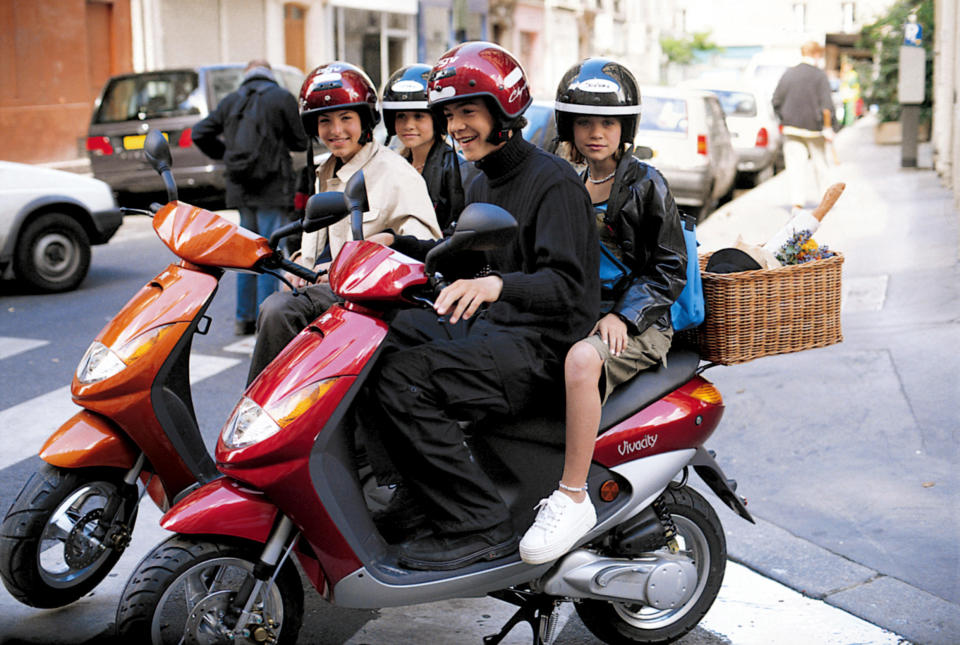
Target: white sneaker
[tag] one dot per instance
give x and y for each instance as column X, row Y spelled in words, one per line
column 559, row 524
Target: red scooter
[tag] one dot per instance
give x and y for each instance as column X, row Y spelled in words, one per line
column 137, row 432
column 647, row 572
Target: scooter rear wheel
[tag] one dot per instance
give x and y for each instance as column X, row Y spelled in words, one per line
column 701, row 538
column 49, row 556
column 182, row 591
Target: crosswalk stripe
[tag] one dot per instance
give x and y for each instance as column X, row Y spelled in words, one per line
column 10, row 346
column 34, row 420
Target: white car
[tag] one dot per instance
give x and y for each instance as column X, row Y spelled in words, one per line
column 48, row 220
column 754, row 127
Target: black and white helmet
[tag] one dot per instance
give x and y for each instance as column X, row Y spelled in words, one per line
column 406, row 89
column 598, row 87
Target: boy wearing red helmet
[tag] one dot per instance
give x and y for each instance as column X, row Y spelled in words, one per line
column 339, row 104
column 542, row 294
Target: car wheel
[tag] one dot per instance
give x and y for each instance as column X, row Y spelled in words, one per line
column 53, row 253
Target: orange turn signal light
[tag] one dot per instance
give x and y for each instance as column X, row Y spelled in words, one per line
column 708, row 394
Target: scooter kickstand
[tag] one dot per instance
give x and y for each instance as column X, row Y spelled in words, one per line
column 539, row 611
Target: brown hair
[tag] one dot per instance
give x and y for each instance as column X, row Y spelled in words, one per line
column 812, row 49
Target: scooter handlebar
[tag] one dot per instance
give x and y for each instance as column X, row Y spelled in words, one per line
column 299, row 270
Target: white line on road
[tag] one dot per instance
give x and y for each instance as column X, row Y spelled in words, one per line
column 10, row 346
column 31, row 422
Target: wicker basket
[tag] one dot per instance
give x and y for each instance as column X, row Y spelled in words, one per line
column 751, row 314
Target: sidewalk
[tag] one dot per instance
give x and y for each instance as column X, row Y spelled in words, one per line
column 849, row 454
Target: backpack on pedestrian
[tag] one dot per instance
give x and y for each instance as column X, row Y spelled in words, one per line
column 252, row 148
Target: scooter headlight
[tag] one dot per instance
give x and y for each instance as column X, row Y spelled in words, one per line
column 98, row 363
column 248, row 425
column 101, row 362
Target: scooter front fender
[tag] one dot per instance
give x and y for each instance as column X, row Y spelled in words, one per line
column 223, row 507
column 88, row 439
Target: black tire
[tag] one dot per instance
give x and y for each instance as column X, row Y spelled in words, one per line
column 42, row 564
column 701, row 535
column 153, row 608
column 53, row 253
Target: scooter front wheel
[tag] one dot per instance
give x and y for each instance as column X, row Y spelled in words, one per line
column 53, row 546
column 183, row 592
column 700, row 538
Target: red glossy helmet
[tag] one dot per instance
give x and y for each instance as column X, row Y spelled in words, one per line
column 481, row 69
column 336, row 86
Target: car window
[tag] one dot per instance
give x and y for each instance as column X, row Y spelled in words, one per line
column 222, row 82
column 291, row 82
column 736, row 103
column 149, row 96
column 541, row 128
column 664, row 114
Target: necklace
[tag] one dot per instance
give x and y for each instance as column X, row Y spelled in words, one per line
column 602, row 180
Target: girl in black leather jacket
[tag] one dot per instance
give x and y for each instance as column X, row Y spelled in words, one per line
column 405, row 115
column 643, row 270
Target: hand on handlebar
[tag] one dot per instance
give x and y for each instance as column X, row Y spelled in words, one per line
column 299, row 282
column 464, row 297
column 384, row 238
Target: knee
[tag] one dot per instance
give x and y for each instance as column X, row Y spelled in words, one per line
column 582, row 364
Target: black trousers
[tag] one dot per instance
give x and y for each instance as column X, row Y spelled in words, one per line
column 431, row 376
column 282, row 316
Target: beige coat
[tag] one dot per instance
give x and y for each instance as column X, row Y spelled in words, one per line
column 396, row 193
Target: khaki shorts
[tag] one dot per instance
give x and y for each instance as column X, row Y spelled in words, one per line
column 642, row 351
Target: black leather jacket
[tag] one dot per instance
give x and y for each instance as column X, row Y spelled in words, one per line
column 644, row 219
column 441, row 171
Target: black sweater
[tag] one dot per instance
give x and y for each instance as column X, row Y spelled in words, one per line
column 550, row 274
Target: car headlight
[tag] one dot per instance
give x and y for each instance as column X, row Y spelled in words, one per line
column 250, row 423
column 101, row 362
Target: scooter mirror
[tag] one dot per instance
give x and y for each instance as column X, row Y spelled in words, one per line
column 481, row 227
column 324, row 209
column 355, row 193
column 157, row 151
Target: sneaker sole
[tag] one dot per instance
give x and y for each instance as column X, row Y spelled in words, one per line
column 543, row 554
column 494, row 552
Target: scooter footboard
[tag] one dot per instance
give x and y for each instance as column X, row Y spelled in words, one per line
column 223, row 507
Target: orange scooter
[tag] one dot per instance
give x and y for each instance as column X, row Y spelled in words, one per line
column 137, row 432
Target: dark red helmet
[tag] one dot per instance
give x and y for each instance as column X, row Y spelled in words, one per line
column 406, row 89
column 336, row 86
column 481, row 69
column 597, row 87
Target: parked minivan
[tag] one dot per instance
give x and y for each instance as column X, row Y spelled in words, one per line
column 171, row 100
column 687, row 132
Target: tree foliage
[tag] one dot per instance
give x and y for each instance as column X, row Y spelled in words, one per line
column 878, row 80
column 682, row 50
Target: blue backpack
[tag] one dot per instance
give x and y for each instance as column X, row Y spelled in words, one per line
column 689, row 309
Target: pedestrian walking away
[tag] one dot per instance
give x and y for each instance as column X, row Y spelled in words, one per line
column 253, row 130
column 802, row 102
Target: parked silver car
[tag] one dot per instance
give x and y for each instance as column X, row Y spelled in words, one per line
column 172, row 101
column 687, row 132
column 754, row 128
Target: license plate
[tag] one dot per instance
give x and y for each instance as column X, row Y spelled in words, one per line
column 135, row 141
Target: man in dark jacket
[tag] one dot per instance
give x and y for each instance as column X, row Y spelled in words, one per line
column 802, row 102
column 263, row 204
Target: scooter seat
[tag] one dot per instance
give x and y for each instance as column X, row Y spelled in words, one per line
column 547, row 426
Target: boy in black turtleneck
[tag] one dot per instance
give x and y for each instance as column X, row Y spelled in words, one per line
column 542, row 293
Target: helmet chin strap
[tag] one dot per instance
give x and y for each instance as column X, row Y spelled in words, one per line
column 366, row 136
column 499, row 136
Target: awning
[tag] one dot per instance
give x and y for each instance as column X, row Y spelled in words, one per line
column 393, row 6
